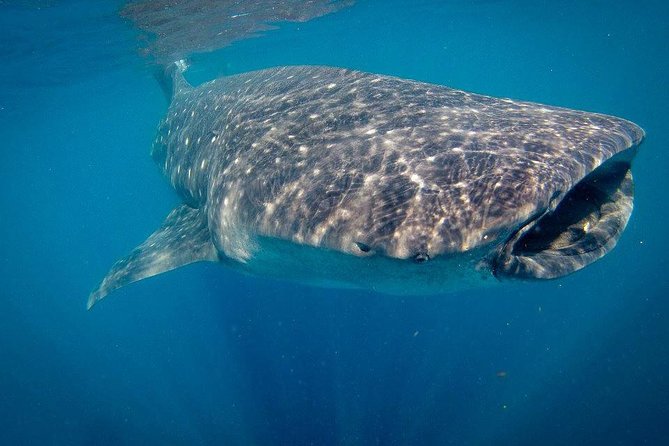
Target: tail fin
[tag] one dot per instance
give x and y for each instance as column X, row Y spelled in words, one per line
column 171, row 78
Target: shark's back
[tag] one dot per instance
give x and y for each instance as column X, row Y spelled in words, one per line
column 338, row 158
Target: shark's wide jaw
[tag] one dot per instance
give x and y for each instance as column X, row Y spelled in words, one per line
column 585, row 225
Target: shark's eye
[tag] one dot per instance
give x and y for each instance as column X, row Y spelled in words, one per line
column 363, row 247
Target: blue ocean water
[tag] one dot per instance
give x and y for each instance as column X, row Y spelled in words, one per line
column 204, row 355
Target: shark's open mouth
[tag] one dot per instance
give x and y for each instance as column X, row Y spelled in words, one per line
column 584, row 226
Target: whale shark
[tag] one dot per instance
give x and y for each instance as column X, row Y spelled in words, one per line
column 340, row 178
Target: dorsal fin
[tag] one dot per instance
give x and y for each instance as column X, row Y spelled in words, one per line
column 182, row 239
column 171, row 78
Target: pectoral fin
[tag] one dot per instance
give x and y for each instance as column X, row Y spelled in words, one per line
column 182, row 239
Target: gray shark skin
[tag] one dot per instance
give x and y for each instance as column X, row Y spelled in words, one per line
column 340, row 178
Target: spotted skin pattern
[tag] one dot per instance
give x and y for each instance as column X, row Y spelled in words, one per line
column 329, row 157
column 370, row 165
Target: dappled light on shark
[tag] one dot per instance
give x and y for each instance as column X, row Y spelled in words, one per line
column 341, row 178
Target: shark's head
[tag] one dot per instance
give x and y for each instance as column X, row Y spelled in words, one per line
column 431, row 181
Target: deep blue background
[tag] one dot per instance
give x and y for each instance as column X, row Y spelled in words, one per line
column 204, row 355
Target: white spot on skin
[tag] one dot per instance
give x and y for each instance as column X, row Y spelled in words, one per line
column 369, row 179
column 418, row 180
column 331, row 86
